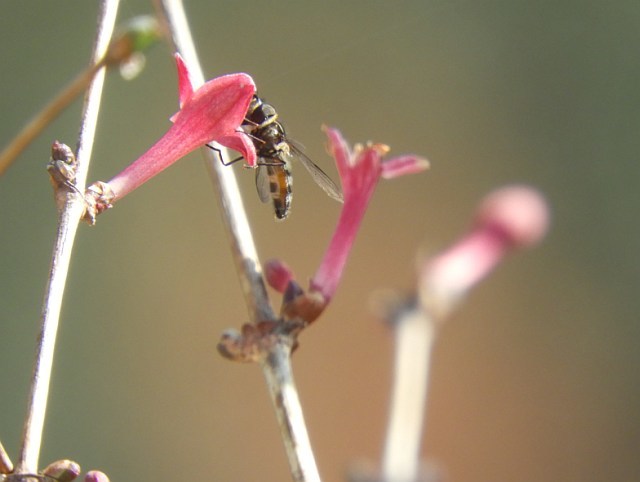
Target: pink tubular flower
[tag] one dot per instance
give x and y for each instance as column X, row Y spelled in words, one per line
column 213, row 112
column 359, row 171
column 508, row 218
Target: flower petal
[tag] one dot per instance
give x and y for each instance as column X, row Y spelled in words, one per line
column 338, row 149
column 185, row 86
column 400, row 166
column 241, row 142
column 217, row 108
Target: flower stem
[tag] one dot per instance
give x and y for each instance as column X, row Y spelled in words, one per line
column 414, row 334
column 68, row 223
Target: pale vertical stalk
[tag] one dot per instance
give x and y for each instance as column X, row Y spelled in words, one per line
column 225, row 184
column 68, row 223
column 284, row 395
column 414, row 335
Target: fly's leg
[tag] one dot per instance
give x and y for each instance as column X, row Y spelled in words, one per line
column 219, row 152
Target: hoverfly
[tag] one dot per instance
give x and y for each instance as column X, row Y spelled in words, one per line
column 274, row 150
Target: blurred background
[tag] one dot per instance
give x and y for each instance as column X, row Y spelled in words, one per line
column 533, row 378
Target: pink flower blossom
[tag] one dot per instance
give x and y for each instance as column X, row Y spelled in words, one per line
column 212, row 112
column 509, row 218
column 359, row 171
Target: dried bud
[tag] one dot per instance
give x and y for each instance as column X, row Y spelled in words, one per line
column 62, row 166
column 98, row 198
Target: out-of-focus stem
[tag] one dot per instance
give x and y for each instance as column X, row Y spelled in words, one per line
column 37, row 124
column 67, row 226
column 414, row 335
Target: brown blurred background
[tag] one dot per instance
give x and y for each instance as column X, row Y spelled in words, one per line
column 534, row 377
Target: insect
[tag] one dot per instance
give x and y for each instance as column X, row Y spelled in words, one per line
column 274, row 151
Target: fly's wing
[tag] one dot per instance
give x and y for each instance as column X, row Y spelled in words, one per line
column 262, row 184
column 318, row 175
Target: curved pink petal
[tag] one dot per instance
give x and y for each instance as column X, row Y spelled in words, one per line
column 217, row 108
column 185, row 86
column 403, row 165
column 241, row 142
column 339, row 150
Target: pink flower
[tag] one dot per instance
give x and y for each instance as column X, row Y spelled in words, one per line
column 508, row 218
column 359, row 171
column 213, row 112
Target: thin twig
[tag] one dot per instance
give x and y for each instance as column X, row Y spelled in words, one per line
column 67, row 226
column 37, row 124
column 414, row 335
column 276, row 363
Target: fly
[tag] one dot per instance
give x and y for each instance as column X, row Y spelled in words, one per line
column 274, row 151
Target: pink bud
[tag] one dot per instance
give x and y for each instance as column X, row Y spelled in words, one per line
column 278, row 274
column 96, row 476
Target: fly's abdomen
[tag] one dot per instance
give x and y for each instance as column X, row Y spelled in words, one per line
column 280, row 189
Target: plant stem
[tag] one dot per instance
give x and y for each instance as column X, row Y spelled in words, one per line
column 414, row 335
column 68, row 223
column 284, row 395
